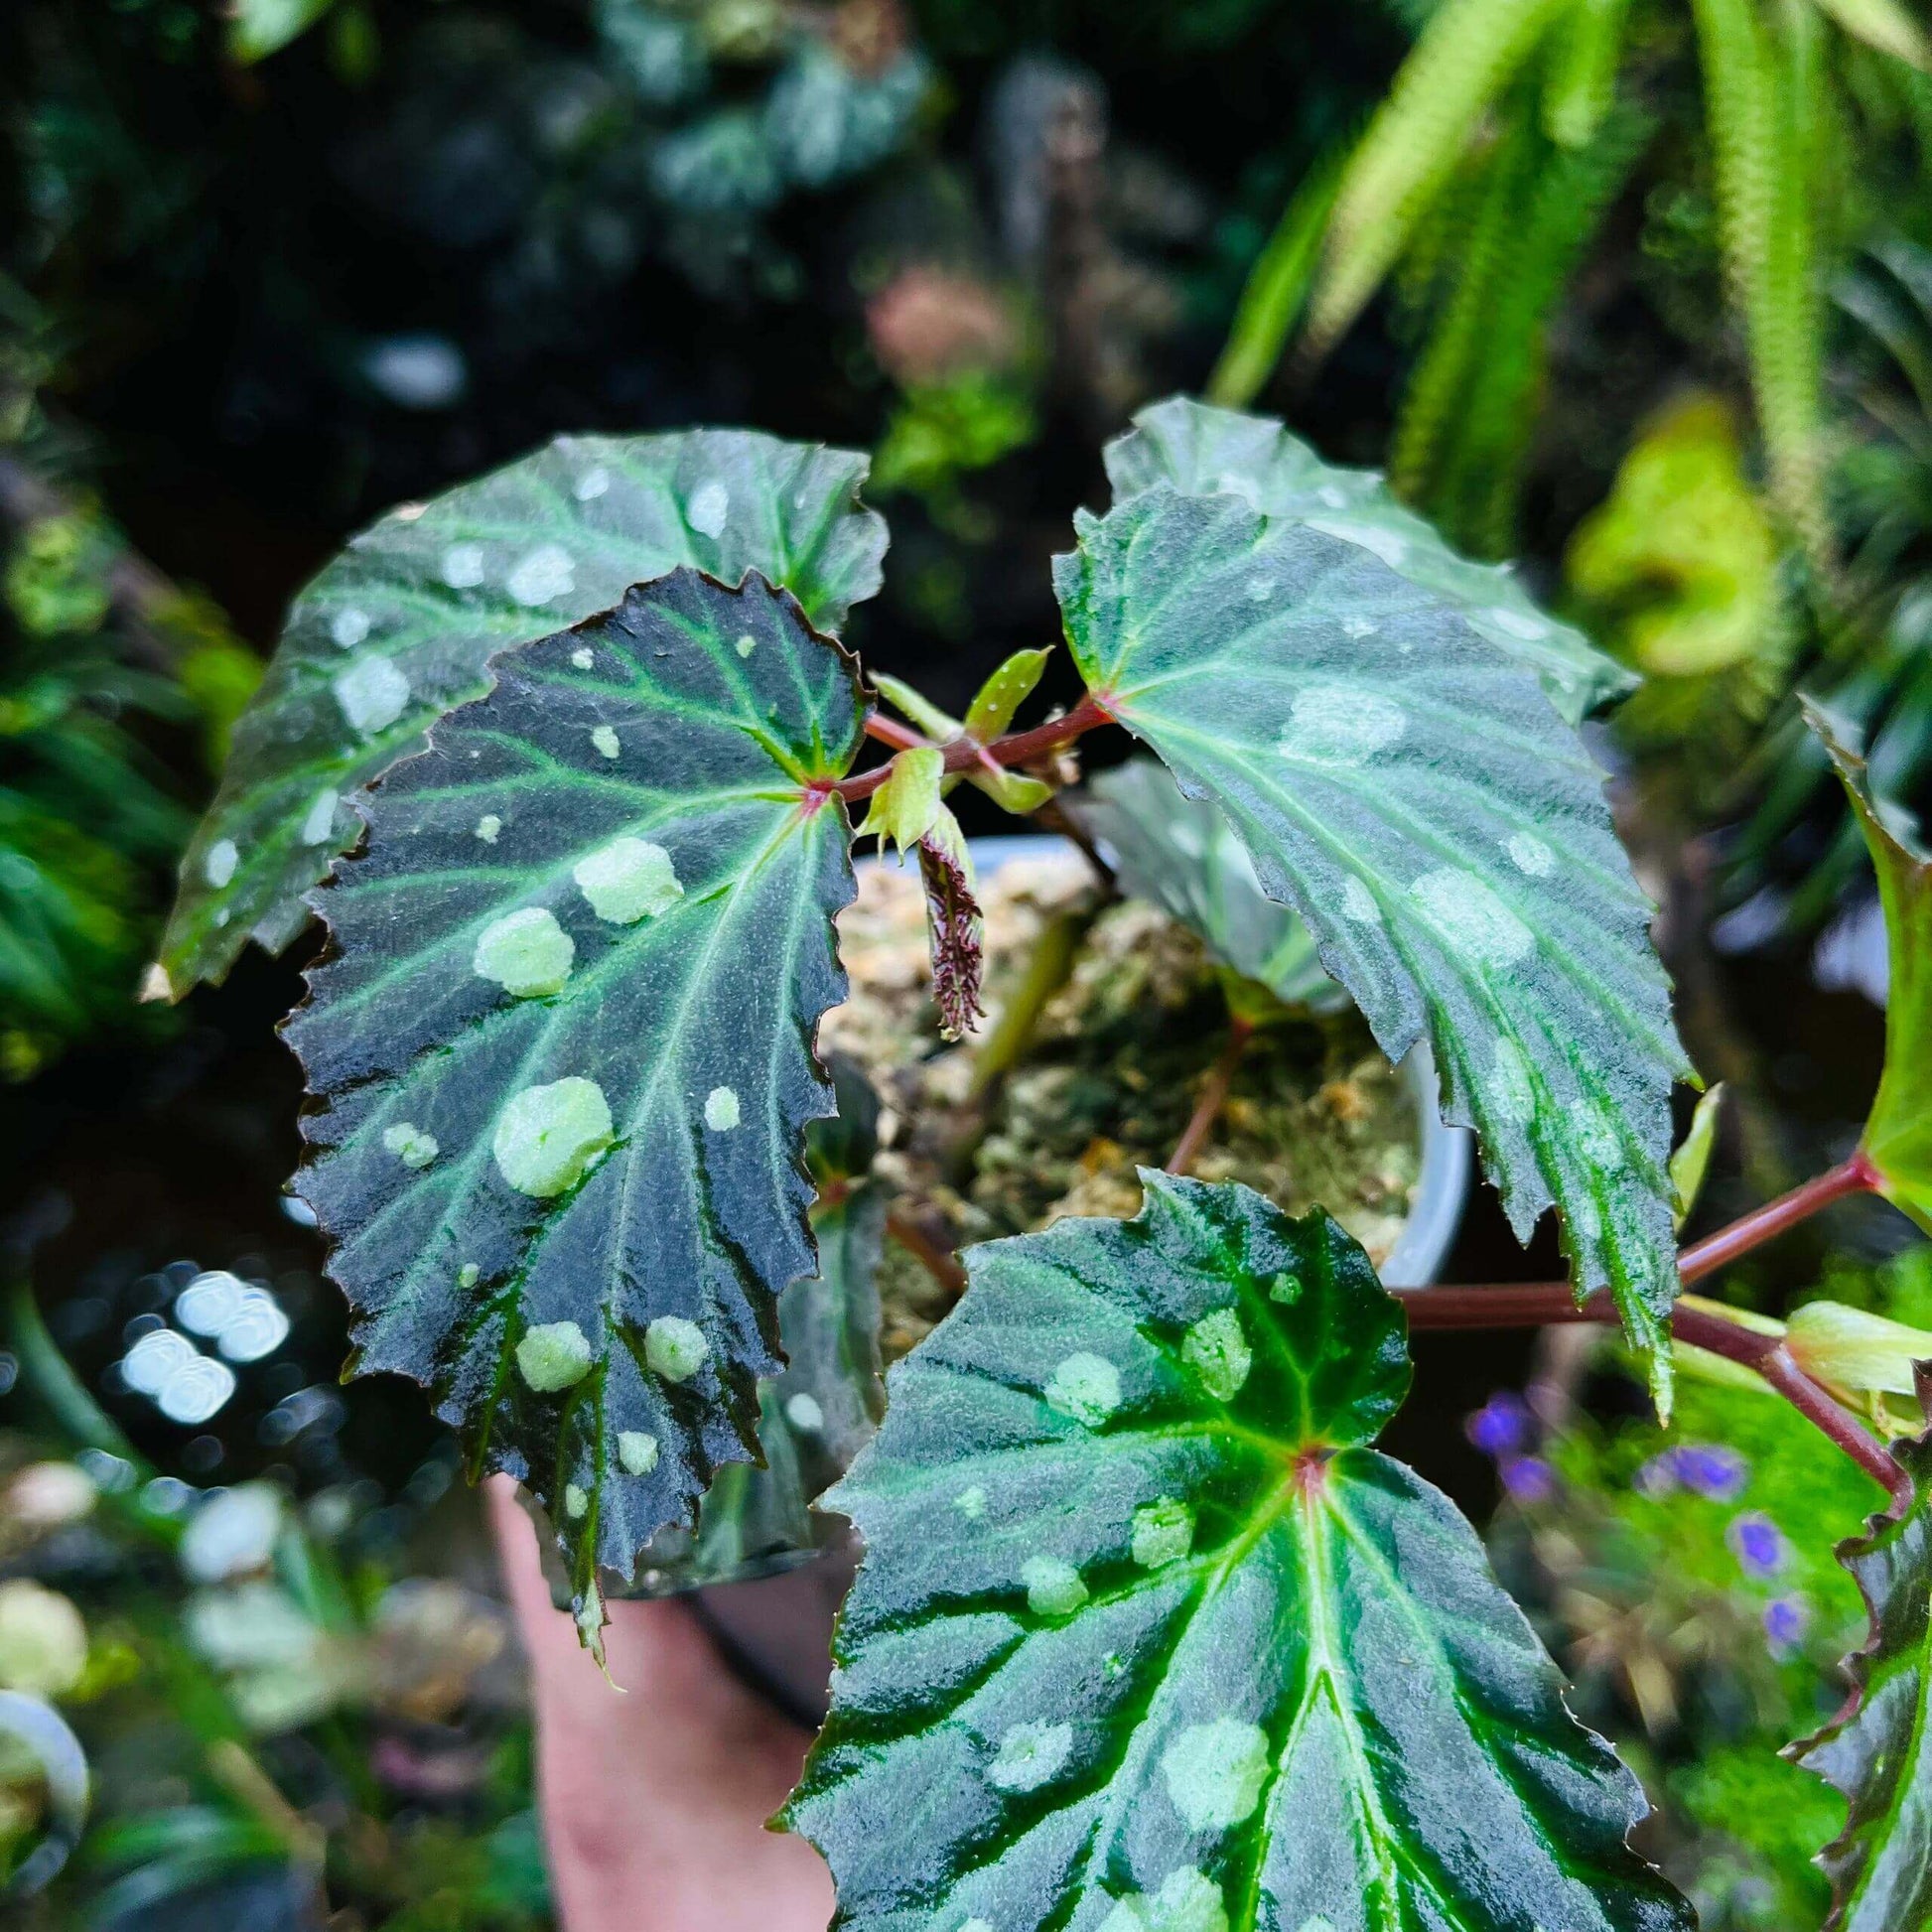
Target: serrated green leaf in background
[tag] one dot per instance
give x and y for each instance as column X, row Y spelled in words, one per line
column 397, row 630
column 561, row 1049
column 1148, row 1636
column 1408, row 789
column 1899, row 1134
column 1879, row 1751
column 813, row 1419
column 1202, row 451
column 1182, row 855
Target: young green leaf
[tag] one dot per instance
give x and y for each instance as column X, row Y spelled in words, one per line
column 1878, row 1749
column 1407, row 789
column 1148, row 1636
column 1899, row 1134
column 903, row 807
column 1182, row 855
column 1003, row 693
column 1693, row 1155
column 561, row 1049
column 397, row 630
column 1202, row 451
column 813, row 1419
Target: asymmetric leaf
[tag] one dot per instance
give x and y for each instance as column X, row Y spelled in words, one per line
column 1202, row 451
column 1182, row 855
column 1147, row 1639
column 1899, row 1134
column 562, row 1045
column 397, row 630
column 1410, row 792
column 1879, row 1751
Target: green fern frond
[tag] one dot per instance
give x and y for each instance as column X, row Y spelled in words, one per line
column 1465, row 55
column 1278, row 286
column 1756, row 94
column 1580, row 86
column 1471, row 411
column 1885, row 25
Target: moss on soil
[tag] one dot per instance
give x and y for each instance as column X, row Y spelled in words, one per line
column 1315, row 1112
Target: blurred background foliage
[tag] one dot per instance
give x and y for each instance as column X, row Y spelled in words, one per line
column 1635, row 292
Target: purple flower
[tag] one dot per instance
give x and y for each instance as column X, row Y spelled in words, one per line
column 1501, row 1426
column 1786, row 1619
column 1711, row 1469
column 1528, row 1479
column 1657, row 1477
column 1757, row 1543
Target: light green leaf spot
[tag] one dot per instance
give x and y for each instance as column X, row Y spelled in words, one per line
column 636, row 1451
column 605, row 738
column 1086, row 1387
column 628, row 880
column 675, row 1348
column 1217, row 1350
column 553, row 1355
column 409, row 1144
column 721, row 1110
column 1053, row 1586
column 549, row 1135
column 1030, row 1755
column 525, row 952
column 577, row 1501
column 1164, row 1532
column 1214, row 1772
column 1187, row 1901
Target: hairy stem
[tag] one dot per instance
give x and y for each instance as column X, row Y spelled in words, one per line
column 1213, row 1097
column 1017, row 748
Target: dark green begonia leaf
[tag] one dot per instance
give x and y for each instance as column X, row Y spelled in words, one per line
column 1878, row 1749
column 1148, row 1638
column 1182, row 855
column 1443, row 833
column 813, row 1419
column 561, row 1047
column 1899, row 1134
column 397, row 631
column 1202, row 451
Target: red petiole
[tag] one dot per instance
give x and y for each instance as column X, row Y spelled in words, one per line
column 1546, row 1304
column 1016, row 749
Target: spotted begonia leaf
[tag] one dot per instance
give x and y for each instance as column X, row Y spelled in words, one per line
column 1899, row 1134
column 813, row 1419
column 561, row 1046
column 1182, row 855
column 1203, row 451
column 1407, row 788
column 1878, row 1749
column 1148, row 1637
column 398, row 629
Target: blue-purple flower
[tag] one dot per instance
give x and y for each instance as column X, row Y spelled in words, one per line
column 1757, row 1543
column 1786, row 1618
column 1502, row 1426
column 1528, row 1479
column 1712, row 1470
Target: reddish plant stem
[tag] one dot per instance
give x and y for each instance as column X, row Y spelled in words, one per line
column 1015, row 749
column 1853, row 1177
column 1527, row 1305
column 1546, row 1304
column 888, row 730
column 941, row 1266
column 1213, row 1097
